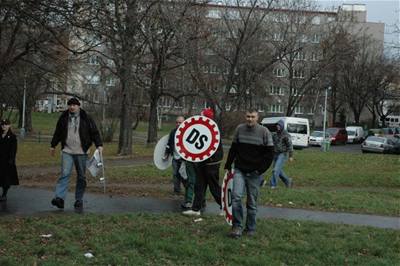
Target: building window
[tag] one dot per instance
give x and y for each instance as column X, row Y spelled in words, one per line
column 316, row 20
column 213, row 69
column 293, row 92
column 110, row 82
column 214, row 13
column 92, row 79
column 303, row 38
column 298, row 73
column 299, row 56
column 278, row 37
column 275, row 108
column 276, row 90
column 298, row 110
column 279, row 72
column 314, row 56
column 316, row 38
column 93, row 60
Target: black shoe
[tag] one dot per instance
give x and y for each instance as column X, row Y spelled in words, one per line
column 78, row 204
column 58, row 202
column 235, row 233
column 3, row 198
column 249, row 233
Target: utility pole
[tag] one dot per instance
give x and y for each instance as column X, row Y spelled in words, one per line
column 22, row 131
column 325, row 144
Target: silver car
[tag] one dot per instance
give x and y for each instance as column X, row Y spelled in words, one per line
column 381, row 145
column 316, row 138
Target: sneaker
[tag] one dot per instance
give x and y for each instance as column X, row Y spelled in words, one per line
column 78, row 204
column 186, row 205
column 249, row 233
column 191, row 213
column 236, row 232
column 58, row 202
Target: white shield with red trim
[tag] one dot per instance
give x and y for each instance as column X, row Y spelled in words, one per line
column 226, row 196
column 197, row 138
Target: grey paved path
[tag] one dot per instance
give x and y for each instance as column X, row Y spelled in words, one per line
column 28, row 201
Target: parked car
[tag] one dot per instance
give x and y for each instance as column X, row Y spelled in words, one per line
column 381, row 145
column 316, row 138
column 355, row 134
column 338, row 135
column 387, row 131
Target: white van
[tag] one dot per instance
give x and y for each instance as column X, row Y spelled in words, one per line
column 355, row 134
column 298, row 128
column 392, row 121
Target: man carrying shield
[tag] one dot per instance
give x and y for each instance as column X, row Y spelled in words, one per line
column 207, row 174
column 251, row 153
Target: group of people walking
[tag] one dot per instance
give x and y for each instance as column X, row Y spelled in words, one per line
column 252, row 151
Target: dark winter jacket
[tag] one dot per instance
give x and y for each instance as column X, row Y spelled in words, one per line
column 169, row 149
column 8, row 152
column 251, row 149
column 88, row 132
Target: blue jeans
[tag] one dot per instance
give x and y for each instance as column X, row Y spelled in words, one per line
column 249, row 182
column 67, row 161
column 277, row 172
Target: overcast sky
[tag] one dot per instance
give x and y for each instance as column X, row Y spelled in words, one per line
column 386, row 11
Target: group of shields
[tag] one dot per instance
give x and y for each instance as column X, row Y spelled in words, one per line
column 196, row 140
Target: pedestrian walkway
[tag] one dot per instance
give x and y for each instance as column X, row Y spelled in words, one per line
column 24, row 201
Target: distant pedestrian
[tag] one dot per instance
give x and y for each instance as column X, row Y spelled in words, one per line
column 8, row 152
column 170, row 150
column 177, row 163
column 207, row 175
column 251, row 153
column 76, row 131
column 283, row 150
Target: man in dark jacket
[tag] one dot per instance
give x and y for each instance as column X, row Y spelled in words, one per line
column 176, row 158
column 207, row 174
column 76, row 131
column 251, row 153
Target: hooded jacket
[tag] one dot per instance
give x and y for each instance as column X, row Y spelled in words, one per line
column 282, row 140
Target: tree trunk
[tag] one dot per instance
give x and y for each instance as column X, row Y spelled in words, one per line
column 125, row 132
column 152, row 129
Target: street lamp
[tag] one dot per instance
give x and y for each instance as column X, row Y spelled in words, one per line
column 325, row 142
column 22, row 131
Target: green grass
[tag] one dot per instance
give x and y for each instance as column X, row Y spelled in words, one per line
column 323, row 181
column 45, row 124
column 171, row 239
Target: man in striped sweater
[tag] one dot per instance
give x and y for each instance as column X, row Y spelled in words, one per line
column 251, row 153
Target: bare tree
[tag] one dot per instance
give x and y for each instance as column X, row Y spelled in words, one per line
column 166, row 32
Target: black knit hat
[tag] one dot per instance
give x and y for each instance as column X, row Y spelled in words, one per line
column 5, row 122
column 73, row 101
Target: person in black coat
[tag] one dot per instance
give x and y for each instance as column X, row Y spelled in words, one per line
column 8, row 152
column 76, row 131
column 207, row 175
